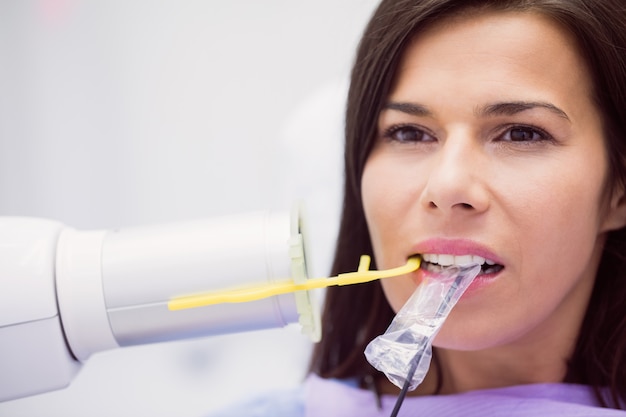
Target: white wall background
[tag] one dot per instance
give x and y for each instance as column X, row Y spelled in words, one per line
column 119, row 113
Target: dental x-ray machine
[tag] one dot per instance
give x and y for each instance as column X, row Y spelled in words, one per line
column 66, row 294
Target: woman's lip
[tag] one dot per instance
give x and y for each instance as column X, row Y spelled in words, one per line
column 481, row 280
column 456, row 247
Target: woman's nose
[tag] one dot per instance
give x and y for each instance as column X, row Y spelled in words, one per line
column 457, row 178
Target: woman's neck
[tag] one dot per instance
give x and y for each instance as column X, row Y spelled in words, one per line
column 467, row 371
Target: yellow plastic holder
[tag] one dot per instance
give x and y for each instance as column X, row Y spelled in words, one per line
column 257, row 292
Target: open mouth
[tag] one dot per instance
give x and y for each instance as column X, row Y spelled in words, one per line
column 436, row 262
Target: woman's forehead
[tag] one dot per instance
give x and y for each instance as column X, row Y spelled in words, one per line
column 525, row 56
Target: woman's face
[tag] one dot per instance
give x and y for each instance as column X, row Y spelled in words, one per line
column 490, row 146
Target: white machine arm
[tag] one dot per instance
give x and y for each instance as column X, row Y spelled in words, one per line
column 66, row 294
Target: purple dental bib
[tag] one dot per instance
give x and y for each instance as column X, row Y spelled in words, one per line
column 332, row 398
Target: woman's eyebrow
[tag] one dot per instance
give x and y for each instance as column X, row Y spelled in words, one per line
column 413, row 109
column 505, row 108
column 510, row 108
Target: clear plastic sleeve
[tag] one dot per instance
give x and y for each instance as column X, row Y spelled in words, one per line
column 404, row 351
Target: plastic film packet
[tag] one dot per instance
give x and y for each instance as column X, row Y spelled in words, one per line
column 406, row 347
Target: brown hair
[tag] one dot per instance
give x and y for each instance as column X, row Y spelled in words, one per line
column 354, row 315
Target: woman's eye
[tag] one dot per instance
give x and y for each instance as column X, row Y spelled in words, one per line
column 408, row 134
column 524, row 134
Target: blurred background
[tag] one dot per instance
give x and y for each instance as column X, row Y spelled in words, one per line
column 125, row 113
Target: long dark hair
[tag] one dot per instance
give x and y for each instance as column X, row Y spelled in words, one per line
column 354, row 315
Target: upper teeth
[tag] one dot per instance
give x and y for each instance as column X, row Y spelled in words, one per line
column 447, row 260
